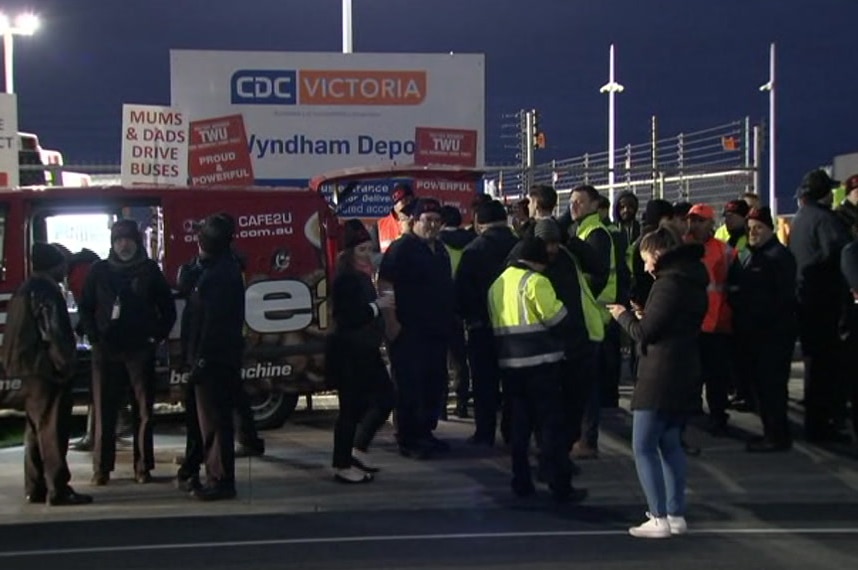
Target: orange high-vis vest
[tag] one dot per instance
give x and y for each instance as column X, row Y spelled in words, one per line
column 388, row 230
column 719, row 316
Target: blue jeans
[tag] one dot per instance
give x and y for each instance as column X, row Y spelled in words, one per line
column 660, row 460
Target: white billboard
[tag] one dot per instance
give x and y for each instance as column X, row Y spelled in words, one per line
column 10, row 141
column 309, row 113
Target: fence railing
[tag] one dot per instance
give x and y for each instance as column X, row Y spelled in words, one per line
column 713, row 165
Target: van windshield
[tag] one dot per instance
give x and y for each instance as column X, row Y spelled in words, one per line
column 79, row 231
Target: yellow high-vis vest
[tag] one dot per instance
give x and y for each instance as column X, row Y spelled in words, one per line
column 523, row 307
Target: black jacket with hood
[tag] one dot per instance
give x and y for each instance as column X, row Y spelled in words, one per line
column 146, row 311
column 631, row 231
column 667, row 335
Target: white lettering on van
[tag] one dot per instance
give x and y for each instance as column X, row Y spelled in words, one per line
column 278, row 306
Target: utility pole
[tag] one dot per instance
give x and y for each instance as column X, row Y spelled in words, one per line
column 611, row 88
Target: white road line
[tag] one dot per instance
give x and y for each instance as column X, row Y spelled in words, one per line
column 416, row 538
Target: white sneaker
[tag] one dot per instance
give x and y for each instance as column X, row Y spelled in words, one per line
column 361, row 460
column 654, row 527
column 352, row 475
column 677, row 525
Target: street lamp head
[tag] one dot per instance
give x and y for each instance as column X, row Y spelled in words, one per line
column 27, row 24
column 23, row 25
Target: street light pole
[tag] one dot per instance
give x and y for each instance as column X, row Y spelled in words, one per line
column 611, row 88
column 347, row 26
column 8, row 43
column 770, row 87
column 24, row 25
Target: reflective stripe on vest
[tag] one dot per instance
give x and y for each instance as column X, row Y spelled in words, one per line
column 593, row 317
column 609, row 294
column 523, row 307
column 388, row 231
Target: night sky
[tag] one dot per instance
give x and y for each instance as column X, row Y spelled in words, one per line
column 693, row 63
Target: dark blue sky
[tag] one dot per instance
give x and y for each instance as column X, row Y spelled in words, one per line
column 693, row 63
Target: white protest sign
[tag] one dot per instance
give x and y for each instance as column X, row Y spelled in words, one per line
column 10, row 142
column 154, row 146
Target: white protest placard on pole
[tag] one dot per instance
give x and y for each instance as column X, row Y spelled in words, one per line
column 154, row 146
column 10, row 141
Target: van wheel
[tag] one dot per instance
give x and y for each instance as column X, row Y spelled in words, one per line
column 273, row 409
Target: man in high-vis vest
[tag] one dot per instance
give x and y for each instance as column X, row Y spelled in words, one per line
column 529, row 322
column 389, row 227
column 585, row 328
column 716, row 335
column 583, row 205
column 734, row 231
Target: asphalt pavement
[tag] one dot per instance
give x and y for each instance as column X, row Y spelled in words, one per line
column 787, row 510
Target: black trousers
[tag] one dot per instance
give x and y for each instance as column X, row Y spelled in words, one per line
column 611, row 365
column 486, row 376
column 420, row 371
column 849, row 368
column 112, row 375
column 210, row 438
column 457, row 358
column 768, row 370
column 577, row 380
column 245, row 425
column 821, row 349
column 536, row 400
column 366, row 398
column 715, row 371
column 48, row 409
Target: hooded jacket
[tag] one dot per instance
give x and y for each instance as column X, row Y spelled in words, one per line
column 631, row 231
column 667, row 335
column 126, row 305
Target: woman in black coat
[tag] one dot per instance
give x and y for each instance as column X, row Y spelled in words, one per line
column 668, row 375
column 353, row 359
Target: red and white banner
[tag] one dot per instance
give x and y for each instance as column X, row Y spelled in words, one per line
column 218, row 154
column 455, row 147
column 457, row 193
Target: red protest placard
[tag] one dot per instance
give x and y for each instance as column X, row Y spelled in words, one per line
column 457, row 147
column 218, row 153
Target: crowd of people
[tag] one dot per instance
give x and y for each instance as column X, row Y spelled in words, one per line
column 532, row 310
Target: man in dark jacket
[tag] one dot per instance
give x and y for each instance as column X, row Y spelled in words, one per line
column 625, row 216
column 762, row 294
column 417, row 268
column 816, row 240
column 482, row 262
column 214, row 348
column 849, row 267
column 39, row 349
column 455, row 238
column 127, row 308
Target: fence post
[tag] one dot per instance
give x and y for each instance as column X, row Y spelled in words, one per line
column 586, row 168
column 758, row 155
column 748, row 154
column 654, row 143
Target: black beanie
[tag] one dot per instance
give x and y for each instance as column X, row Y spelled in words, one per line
column 656, row 210
column 548, row 230
column 45, row 257
column 490, row 212
column 354, row 233
column 126, row 229
column 215, row 234
column 533, row 249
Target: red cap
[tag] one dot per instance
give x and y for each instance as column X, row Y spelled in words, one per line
column 851, row 183
column 704, row 211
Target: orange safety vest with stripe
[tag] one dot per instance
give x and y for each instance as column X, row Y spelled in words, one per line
column 388, row 230
column 719, row 315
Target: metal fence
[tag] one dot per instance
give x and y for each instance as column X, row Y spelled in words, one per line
column 713, row 165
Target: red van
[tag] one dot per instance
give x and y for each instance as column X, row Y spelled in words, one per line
column 286, row 236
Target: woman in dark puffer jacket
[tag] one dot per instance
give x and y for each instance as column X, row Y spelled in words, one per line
column 353, row 359
column 668, row 375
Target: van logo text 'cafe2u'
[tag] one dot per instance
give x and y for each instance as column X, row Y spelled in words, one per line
column 327, row 87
